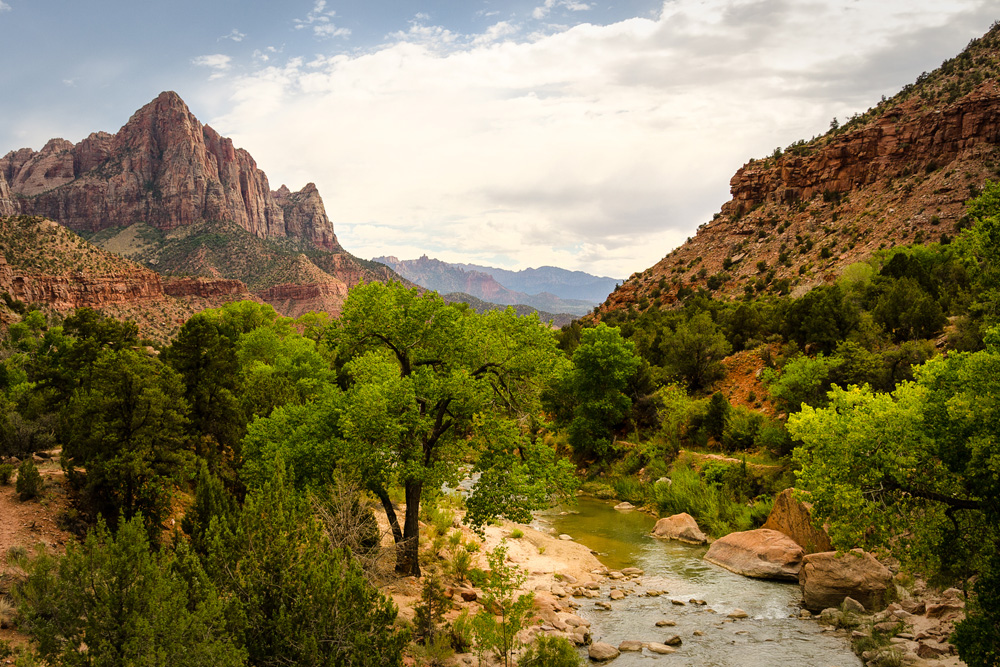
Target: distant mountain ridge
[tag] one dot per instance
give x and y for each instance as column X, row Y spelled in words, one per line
column 478, row 282
column 562, row 283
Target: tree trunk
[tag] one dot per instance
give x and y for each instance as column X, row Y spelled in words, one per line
column 407, row 563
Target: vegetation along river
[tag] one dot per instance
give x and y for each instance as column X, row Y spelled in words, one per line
column 772, row 635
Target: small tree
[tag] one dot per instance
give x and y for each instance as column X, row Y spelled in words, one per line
column 113, row 601
column 505, row 613
column 29, row 480
column 695, row 351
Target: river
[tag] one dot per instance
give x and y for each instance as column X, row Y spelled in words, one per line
column 771, row 636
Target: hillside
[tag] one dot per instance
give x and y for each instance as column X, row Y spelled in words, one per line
column 174, row 195
column 445, row 278
column 897, row 174
column 44, row 264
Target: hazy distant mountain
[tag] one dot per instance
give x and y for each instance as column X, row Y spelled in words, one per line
column 560, row 282
column 480, row 306
column 444, row 277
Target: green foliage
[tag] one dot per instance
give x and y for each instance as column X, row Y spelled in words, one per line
column 695, row 350
column 211, row 501
column 504, row 612
column 429, row 612
column 291, row 598
column 802, row 381
column 714, row 501
column 29, row 481
column 113, row 601
column 977, row 637
column 550, row 651
column 519, row 473
column 6, row 471
column 590, row 397
column 124, row 435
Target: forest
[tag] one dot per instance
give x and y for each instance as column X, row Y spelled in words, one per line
column 225, row 483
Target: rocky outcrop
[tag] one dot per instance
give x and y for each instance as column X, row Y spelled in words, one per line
column 164, row 168
column 761, row 553
column 681, row 527
column 65, row 293
column 792, row 517
column 902, row 139
column 7, row 205
column 295, row 299
column 829, row 577
column 204, row 288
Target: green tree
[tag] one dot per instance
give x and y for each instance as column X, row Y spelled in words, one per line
column 420, row 371
column 695, row 350
column 803, row 380
column 917, row 469
column 124, row 436
column 505, row 611
column 111, row 601
column 591, row 395
column 291, row 598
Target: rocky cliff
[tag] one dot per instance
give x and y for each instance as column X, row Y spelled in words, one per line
column 166, row 169
column 43, row 264
column 897, row 174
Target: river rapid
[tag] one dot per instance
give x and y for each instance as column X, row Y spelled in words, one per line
column 772, row 636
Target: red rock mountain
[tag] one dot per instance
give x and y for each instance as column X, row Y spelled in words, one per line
column 899, row 173
column 174, row 195
column 164, row 168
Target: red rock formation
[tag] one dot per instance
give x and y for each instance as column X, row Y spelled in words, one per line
column 827, row 578
column 164, row 168
column 7, row 205
column 904, row 138
column 762, row 553
column 65, row 293
column 792, row 517
column 295, row 299
column 205, row 288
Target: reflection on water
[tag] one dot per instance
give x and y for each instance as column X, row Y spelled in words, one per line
column 771, row 636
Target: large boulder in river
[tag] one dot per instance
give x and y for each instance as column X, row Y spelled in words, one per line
column 681, row 527
column 792, row 517
column 602, row 652
column 761, row 553
column 829, row 577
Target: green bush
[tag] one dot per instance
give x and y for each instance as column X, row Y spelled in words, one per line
column 711, row 500
column 29, row 480
column 548, row 651
column 6, row 472
column 113, row 601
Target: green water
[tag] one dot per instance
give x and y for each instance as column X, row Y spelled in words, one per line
column 771, row 636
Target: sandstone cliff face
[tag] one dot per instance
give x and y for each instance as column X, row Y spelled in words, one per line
column 7, row 206
column 905, row 138
column 164, row 168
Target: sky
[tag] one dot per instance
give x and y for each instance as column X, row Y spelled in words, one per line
column 593, row 135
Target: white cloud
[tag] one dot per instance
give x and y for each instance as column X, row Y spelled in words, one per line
column 321, row 22
column 596, row 147
column 542, row 11
column 4, row 7
column 217, row 62
column 234, row 35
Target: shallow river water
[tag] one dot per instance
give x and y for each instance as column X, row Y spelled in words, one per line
column 772, row 636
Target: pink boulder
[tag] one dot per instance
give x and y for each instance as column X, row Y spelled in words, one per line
column 761, row 553
column 681, row 527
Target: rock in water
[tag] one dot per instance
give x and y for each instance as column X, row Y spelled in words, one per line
column 761, row 553
column 681, row 527
column 792, row 517
column 827, row 578
column 602, row 652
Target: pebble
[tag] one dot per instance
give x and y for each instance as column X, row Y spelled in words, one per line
column 662, row 649
column 738, row 613
column 679, row 603
column 666, row 624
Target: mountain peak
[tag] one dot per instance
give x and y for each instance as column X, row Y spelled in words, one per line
column 164, row 168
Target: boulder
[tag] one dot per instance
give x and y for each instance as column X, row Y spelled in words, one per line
column 761, row 553
column 681, row 527
column 602, row 652
column 827, row 578
column 792, row 517
column 625, row 506
column 630, row 645
column 657, row 647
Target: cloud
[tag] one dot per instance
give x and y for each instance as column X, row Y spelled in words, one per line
column 321, row 22
column 4, row 7
column 217, row 62
column 593, row 147
column 542, row 11
column 234, row 35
